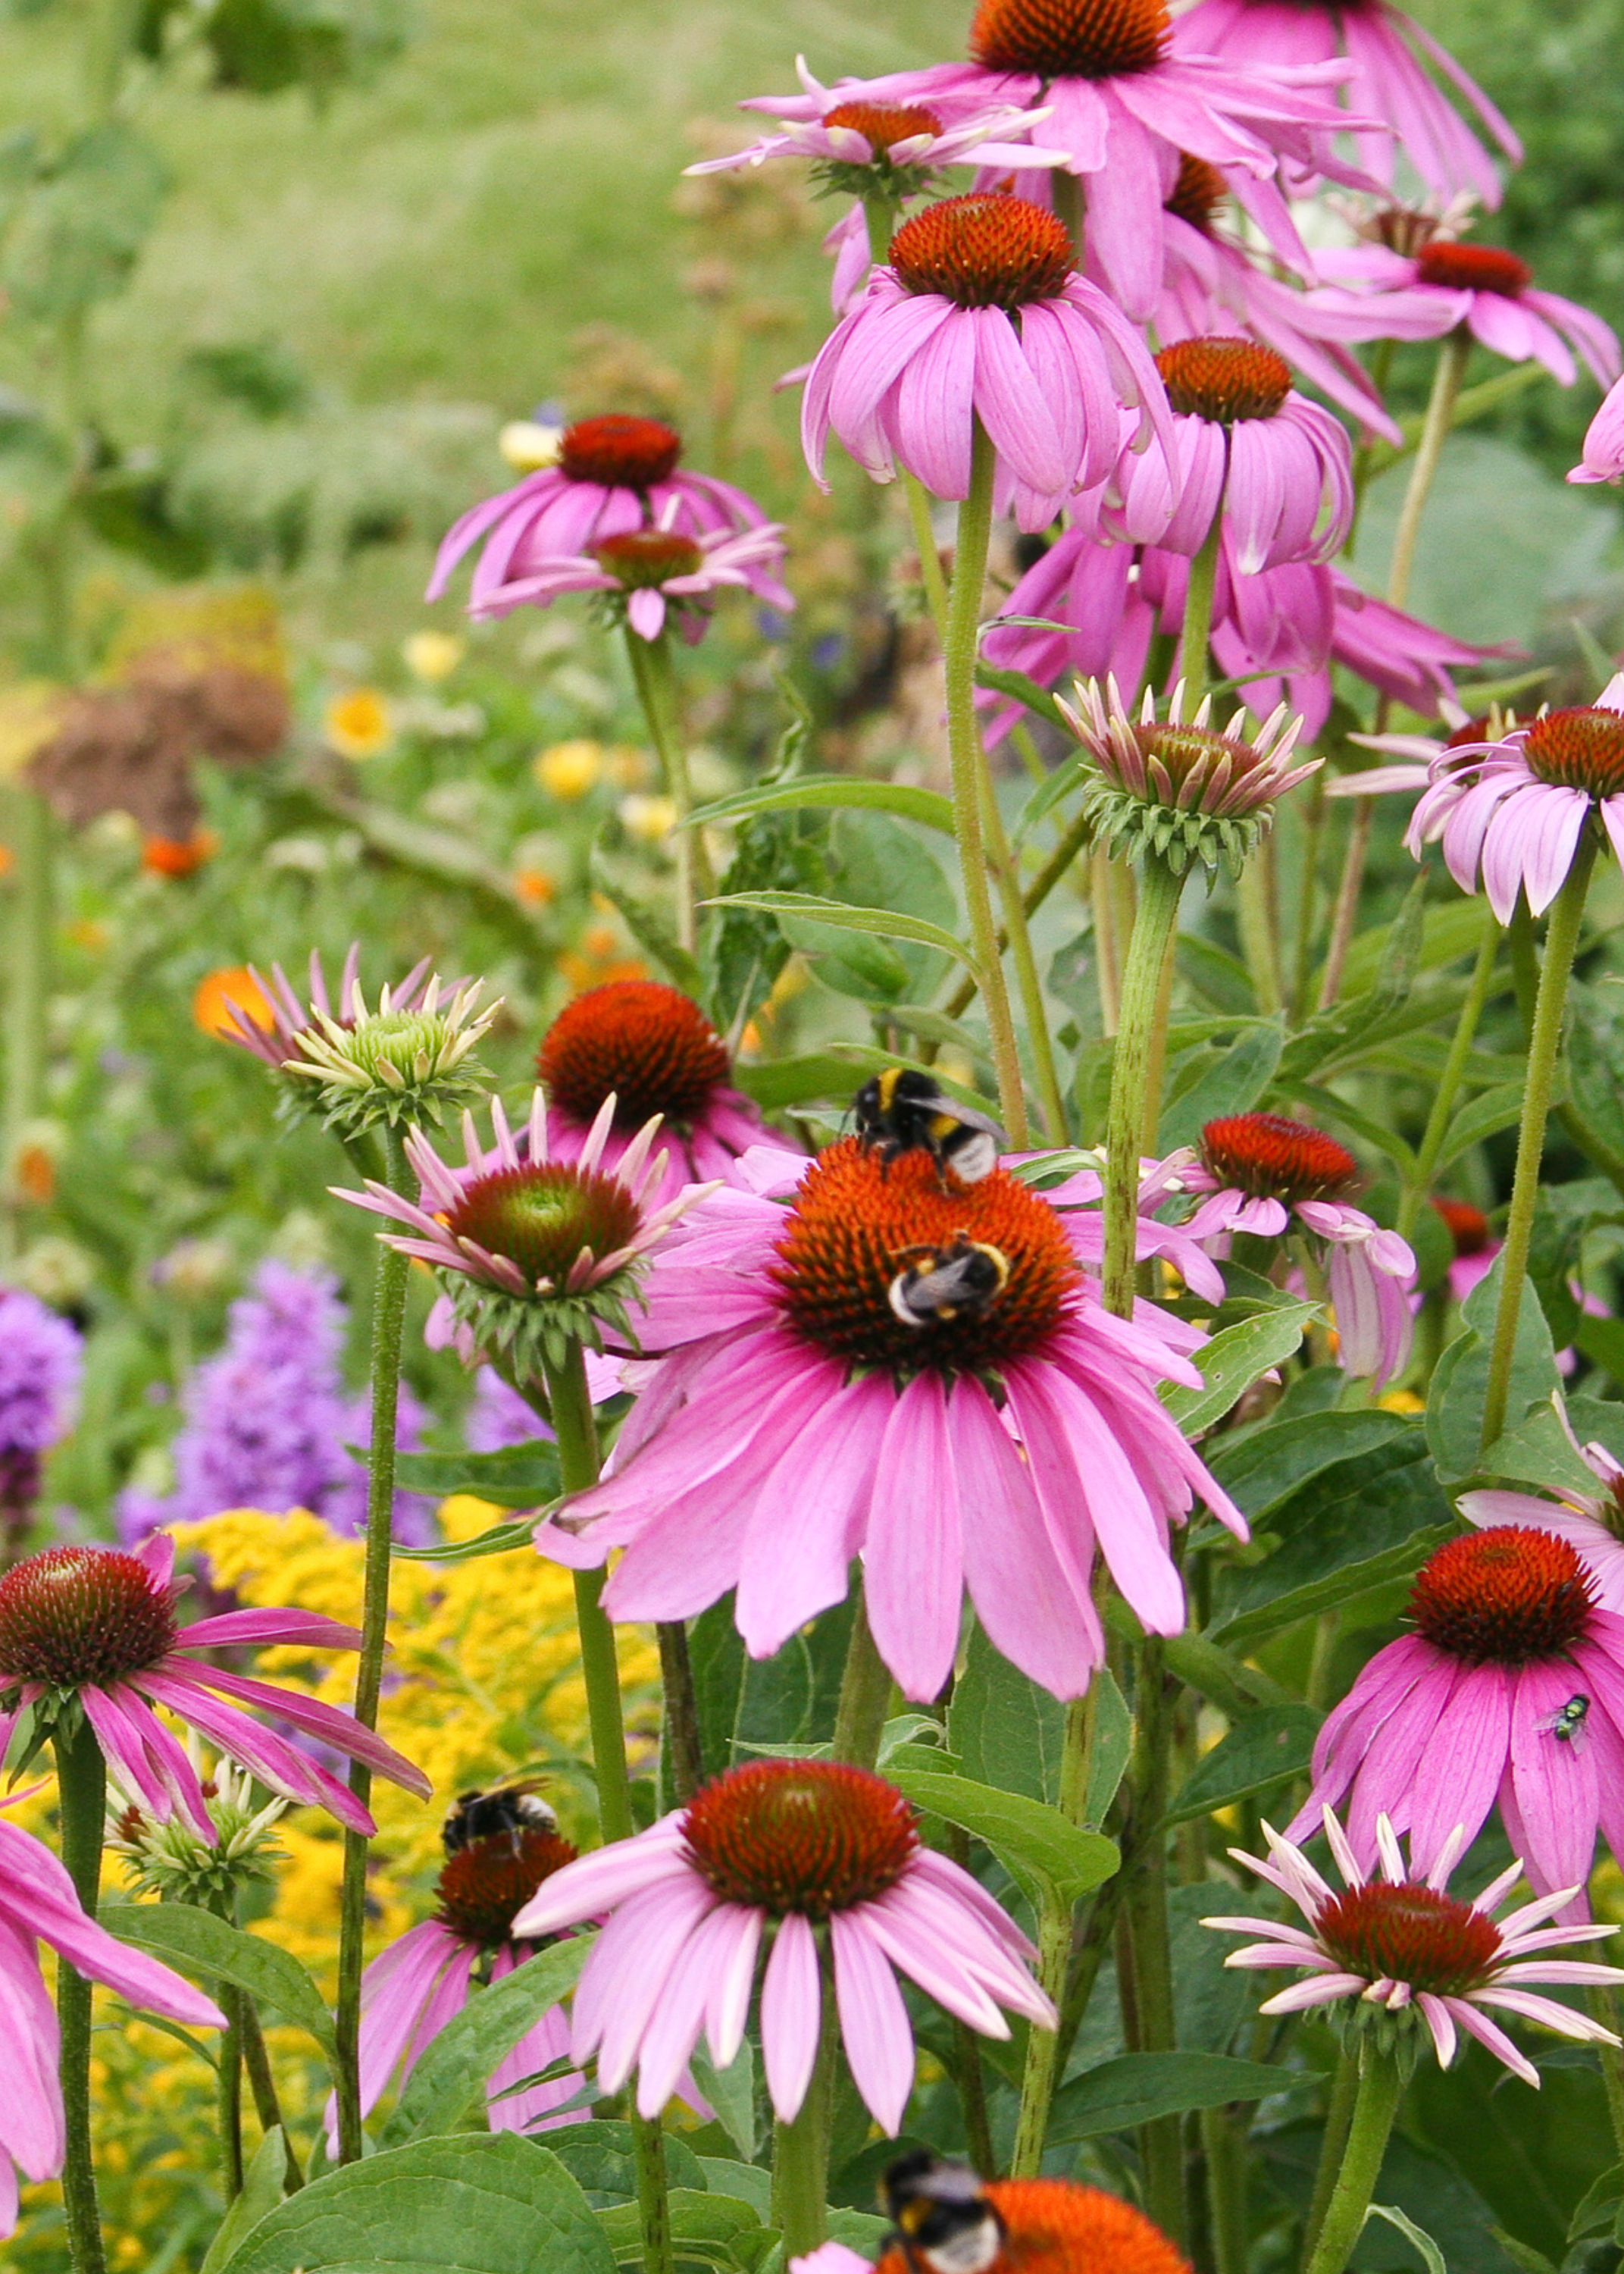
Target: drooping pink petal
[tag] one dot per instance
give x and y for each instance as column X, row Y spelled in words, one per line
column 913, row 1552
column 791, row 2015
column 874, row 2028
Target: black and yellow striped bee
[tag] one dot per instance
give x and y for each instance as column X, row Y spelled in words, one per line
column 944, row 2223
column 944, row 1284
column 902, row 1111
column 514, row 1808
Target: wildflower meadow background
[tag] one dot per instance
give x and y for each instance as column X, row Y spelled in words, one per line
column 811, row 1163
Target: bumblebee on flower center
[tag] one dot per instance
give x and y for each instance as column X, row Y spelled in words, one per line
column 485, row 1885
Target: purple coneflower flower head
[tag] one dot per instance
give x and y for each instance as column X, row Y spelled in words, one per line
column 614, row 473
column 1389, row 82
column 980, row 314
column 1509, row 1692
column 1391, row 1953
column 1603, row 456
column 650, row 574
column 1262, row 1174
column 291, row 1019
column 816, row 1353
column 1592, row 1523
column 38, row 1903
column 1182, row 788
column 1444, row 283
column 790, row 1854
column 96, row 1627
column 1246, row 443
column 651, row 1049
column 41, row 1360
column 393, row 1065
column 425, row 1979
column 534, row 1248
column 1512, row 812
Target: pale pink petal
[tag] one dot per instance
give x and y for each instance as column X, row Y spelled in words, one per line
column 791, row 2015
column 873, row 2021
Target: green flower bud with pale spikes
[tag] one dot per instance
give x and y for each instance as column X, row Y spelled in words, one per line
column 1180, row 789
column 407, row 1065
column 175, row 1863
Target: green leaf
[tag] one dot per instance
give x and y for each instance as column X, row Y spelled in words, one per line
column 1451, row 930
column 500, row 1539
column 1007, row 1730
column 1137, row 2088
column 1540, row 1453
column 262, row 2186
column 1602, row 1342
column 600, row 2158
column 1260, row 1752
column 1232, row 1361
column 1024, row 692
column 1460, row 1380
column 78, row 235
column 485, row 2203
column 928, row 806
column 731, row 2093
column 1599, row 2206
column 200, row 1943
column 1268, row 1465
column 519, row 1476
column 1039, row 1848
column 703, row 2225
column 1485, row 1115
column 648, row 930
column 1594, row 1113
column 1431, row 2257
column 1234, row 1085
column 457, row 2062
column 842, row 918
column 750, row 2183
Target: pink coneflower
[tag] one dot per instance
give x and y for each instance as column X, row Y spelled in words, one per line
column 1389, row 82
column 1265, row 1175
column 38, row 1903
column 847, row 127
column 614, row 473
column 816, row 1355
column 101, row 1624
column 1512, row 811
column 785, row 1849
column 1444, row 283
column 1404, row 1944
column 1468, row 1710
column 1603, row 456
column 1475, row 1246
column 1242, row 435
column 654, row 574
column 1591, row 1523
column 654, row 1051
column 289, row 1019
column 933, row 345
column 411, row 1990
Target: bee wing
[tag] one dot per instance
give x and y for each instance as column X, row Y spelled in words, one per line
column 1580, row 1739
column 969, row 1116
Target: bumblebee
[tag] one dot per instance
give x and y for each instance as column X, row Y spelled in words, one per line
column 902, row 1111
column 514, row 1808
column 939, row 1284
column 944, row 2223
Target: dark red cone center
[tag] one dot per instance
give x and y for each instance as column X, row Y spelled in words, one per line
column 620, row 451
column 807, row 1836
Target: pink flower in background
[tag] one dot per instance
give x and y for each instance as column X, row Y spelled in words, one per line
column 1476, row 1247
column 38, row 1903
column 788, row 1854
column 101, row 1624
column 1592, row 1523
column 816, row 1352
column 850, row 124
column 1445, row 282
column 1602, row 457
column 655, row 573
column 1511, row 812
column 1399, row 1943
column 654, row 1050
column 1509, row 1692
column 933, row 345
column 1388, row 81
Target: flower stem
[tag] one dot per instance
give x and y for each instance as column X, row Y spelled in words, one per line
column 1153, row 930
column 1223, row 2150
column 1037, row 891
column 800, row 2147
column 1455, row 1069
column 1037, row 2090
column 228, row 2093
column 865, row 1696
column 1375, row 2105
column 959, row 650
column 81, row 1789
column 1448, row 374
column 1338, row 2116
column 1603, row 2002
column 1198, row 625
column 656, row 682
column 925, row 544
column 680, row 1752
column 1344, row 915
column 262, row 2084
column 1544, row 1046
column 1148, row 2011
column 389, row 1334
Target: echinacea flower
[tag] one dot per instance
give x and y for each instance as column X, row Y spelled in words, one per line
column 1512, row 812
column 1388, row 81
column 1182, row 788
column 650, row 574
column 774, row 1852
column 613, row 473
column 1446, row 283
column 1602, row 459
column 392, row 1065
column 1246, row 443
column 38, row 1903
column 174, row 1863
column 1592, row 1523
column 819, row 1351
column 1262, row 1174
column 1475, row 1248
column 95, row 1628
column 423, row 1980
column 933, row 345
column 537, row 1250
column 1398, row 1952
column 652, row 1050
column 267, row 1017
column 1466, row 1712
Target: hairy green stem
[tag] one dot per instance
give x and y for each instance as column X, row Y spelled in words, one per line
column 925, row 545
column 1602, row 1998
column 865, row 1695
column 1345, row 911
column 1338, row 2116
column 655, row 681
column 679, row 1749
column 1196, row 632
column 262, row 2084
column 1037, row 891
column 228, row 2092
column 958, row 652
column 1153, row 930
column 800, row 2147
column 1055, row 1917
column 389, row 1335
column 1375, row 2105
column 1544, row 1047
column 1260, row 946
column 1224, row 2149
column 1451, row 369
column 1449, row 1082
column 28, row 978
column 1148, row 2011
column 81, row 1790
column 1015, row 934
column 1313, row 825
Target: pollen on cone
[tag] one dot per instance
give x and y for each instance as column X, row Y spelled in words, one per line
column 1269, row 1156
column 1578, row 748
column 1409, row 1934
column 82, row 1615
column 813, row 1837
column 1224, row 378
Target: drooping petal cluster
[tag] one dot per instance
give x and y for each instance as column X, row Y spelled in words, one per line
column 655, row 574
column 1446, row 283
column 1603, row 456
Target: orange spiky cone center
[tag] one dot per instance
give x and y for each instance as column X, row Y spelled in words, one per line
column 1578, row 748
column 985, row 250
column 1054, row 2226
column 1224, row 380
column 82, row 1615
column 1272, row 1158
column 1472, row 268
column 883, row 124
column 1508, row 1596
column 1198, row 193
column 649, row 1045
column 1409, row 1934
column 813, row 1837
column 1070, row 39
column 621, row 451
column 1467, row 1226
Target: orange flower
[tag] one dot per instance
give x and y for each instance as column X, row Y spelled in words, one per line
column 534, row 886
column 232, row 988
column 359, row 725
column 179, row 856
column 34, row 1172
